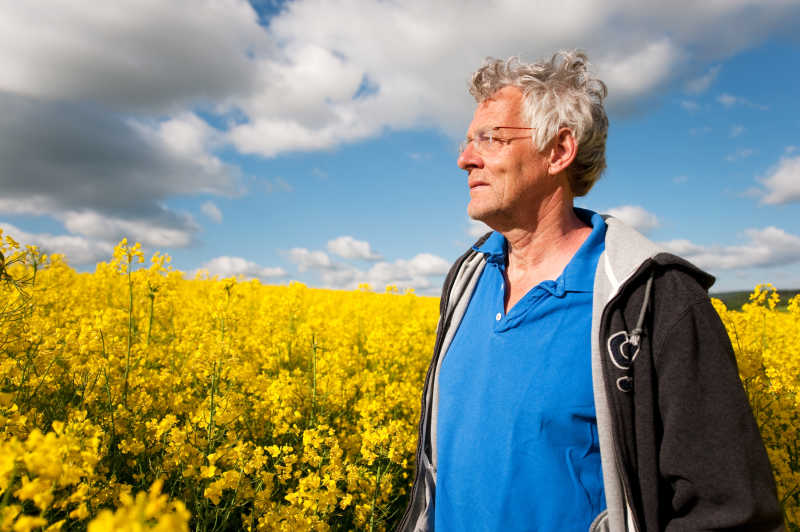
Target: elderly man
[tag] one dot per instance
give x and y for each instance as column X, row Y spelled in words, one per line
column 581, row 379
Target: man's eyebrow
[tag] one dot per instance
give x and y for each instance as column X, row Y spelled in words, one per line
column 479, row 130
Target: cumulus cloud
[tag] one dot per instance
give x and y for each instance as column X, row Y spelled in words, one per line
column 302, row 81
column 312, row 93
column 636, row 216
column 348, row 247
column 633, row 74
column 767, row 247
column 151, row 231
column 212, row 211
column 97, row 131
column 423, row 273
column 135, row 55
column 702, row 83
column 78, row 250
column 306, row 259
column 238, row 267
column 104, row 176
column 783, row 182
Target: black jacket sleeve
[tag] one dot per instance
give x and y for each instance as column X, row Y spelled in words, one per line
column 711, row 458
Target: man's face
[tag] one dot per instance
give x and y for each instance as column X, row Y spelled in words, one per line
column 512, row 180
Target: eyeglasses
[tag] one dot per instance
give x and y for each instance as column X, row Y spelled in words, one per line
column 487, row 142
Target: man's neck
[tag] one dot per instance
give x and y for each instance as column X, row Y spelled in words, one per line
column 540, row 248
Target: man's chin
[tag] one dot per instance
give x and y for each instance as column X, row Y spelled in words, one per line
column 476, row 212
column 479, row 214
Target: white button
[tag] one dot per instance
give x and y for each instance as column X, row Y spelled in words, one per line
column 498, row 316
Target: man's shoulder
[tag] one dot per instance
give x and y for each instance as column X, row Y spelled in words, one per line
column 627, row 250
column 464, row 264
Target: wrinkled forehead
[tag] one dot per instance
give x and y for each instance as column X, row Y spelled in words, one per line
column 503, row 108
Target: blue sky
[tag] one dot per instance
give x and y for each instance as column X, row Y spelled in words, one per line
column 316, row 141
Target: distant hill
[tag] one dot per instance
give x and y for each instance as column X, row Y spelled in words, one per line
column 735, row 300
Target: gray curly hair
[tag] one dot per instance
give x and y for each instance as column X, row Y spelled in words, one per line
column 561, row 92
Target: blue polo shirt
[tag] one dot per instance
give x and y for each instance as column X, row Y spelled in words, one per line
column 517, row 443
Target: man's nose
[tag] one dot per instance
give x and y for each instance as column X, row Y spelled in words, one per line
column 469, row 158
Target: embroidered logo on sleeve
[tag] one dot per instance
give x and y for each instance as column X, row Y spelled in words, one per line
column 621, row 350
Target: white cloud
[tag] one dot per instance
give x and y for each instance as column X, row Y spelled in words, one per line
column 159, row 229
column 212, row 211
column 783, row 183
column 277, row 184
column 741, row 153
column 319, row 174
column 298, row 82
column 348, row 247
column 310, row 260
column 737, row 130
column 690, row 105
column 636, row 72
column 147, row 231
column 78, row 250
column 767, row 247
column 423, row 273
column 426, row 264
column 729, row 100
column 790, row 149
column 701, row 84
column 238, row 267
column 636, row 216
column 113, row 175
column 188, row 137
column 309, row 92
column 130, row 54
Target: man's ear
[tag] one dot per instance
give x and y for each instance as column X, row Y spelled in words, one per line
column 563, row 152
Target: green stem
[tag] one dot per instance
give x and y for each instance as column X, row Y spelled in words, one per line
column 130, row 336
column 150, row 323
column 7, row 494
column 378, row 474
column 210, row 432
column 313, row 380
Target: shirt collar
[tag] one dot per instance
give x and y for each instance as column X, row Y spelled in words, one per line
column 495, row 248
column 578, row 275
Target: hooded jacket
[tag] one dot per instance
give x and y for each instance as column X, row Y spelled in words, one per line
column 679, row 447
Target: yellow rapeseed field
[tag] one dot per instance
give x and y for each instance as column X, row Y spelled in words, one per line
column 134, row 398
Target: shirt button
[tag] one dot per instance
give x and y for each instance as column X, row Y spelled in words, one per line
column 498, row 316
